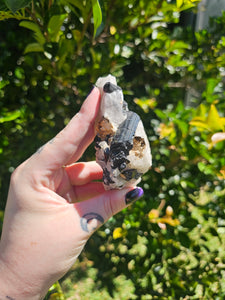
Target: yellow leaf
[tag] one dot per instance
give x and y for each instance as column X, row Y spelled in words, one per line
column 54, row 296
column 119, row 232
column 221, row 174
column 222, row 121
column 215, row 123
column 146, row 104
column 112, row 30
column 199, row 122
column 186, row 4
column 180, row 3
column 166, row 130
column 169, row 221
column 201, row 111
column 153, row 215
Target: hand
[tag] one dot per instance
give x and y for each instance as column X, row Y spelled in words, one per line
column 53, row 207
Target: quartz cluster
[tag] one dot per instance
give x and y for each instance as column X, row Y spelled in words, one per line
column 122, row 147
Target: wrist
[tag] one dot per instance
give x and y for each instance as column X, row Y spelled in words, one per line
column 12, row 286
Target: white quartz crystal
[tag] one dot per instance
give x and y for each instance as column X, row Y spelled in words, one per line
column 122, row 147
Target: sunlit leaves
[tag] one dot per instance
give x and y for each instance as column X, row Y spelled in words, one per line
column 8, row 116
column 209, row 92
column 54, row 26
column 4, row 15
column 146, row 104
column 38, row 35
column 154, row 217
column 3, row 83
column 33, row 47
column 112, row 30
column 221, row 174
column 166, row 130
column 36, row 29
column 119, row 232
column 214, row 121
column 55, row 292
column 186, row 4
column 97, row 15
column 211, row 122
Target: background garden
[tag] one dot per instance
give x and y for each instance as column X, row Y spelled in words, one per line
column 170, row 244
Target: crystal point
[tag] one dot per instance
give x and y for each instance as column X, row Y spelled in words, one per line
column 122, row 146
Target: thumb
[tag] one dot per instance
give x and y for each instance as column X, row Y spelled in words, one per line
column 95, row 212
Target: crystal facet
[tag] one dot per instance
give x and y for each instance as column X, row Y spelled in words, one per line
column 122, row 147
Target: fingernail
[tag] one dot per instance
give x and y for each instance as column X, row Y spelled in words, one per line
column 134, row 195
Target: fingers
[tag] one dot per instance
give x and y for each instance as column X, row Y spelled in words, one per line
column 68, row 146
column 83, row 192
column 94, row 212
column 82, row 173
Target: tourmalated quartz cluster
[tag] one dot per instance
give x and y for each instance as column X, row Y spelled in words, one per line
column 122, row 147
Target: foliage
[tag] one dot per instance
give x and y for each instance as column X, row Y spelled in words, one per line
column 170, row 244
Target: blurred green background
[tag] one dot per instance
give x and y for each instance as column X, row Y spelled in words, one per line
column 171, row 66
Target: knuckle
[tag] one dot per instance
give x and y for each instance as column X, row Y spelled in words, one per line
column 17, row 174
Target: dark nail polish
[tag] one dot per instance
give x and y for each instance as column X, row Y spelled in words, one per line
column 133, row 195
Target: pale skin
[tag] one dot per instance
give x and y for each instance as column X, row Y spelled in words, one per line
column 54, row 205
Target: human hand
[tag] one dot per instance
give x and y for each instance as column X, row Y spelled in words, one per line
column 52, row 209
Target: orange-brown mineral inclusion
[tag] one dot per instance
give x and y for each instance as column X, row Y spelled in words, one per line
column 104, row 128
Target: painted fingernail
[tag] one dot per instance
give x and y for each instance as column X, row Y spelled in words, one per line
column 134, row 195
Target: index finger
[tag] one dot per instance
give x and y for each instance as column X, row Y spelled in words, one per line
column 70, row 143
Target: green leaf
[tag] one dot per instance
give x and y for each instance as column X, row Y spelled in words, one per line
column 3, row 83
column 36, row 29
column 4, row 15
column 14, row 5
column 19, row 73
column 56, row 292
column 201, row 111
column 77, row 35
column 176, row 45
column 97, row 15
column 10, row 116
column 54, row 26
column 76, row 3
column 209, row 93
column 33, row 47
column 3, row 6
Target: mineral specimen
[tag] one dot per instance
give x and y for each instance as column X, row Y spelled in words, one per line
column 122, row 147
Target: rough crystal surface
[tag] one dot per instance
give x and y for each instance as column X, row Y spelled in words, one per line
column 122, row 147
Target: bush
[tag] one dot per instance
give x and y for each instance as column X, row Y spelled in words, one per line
column 170, row 244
